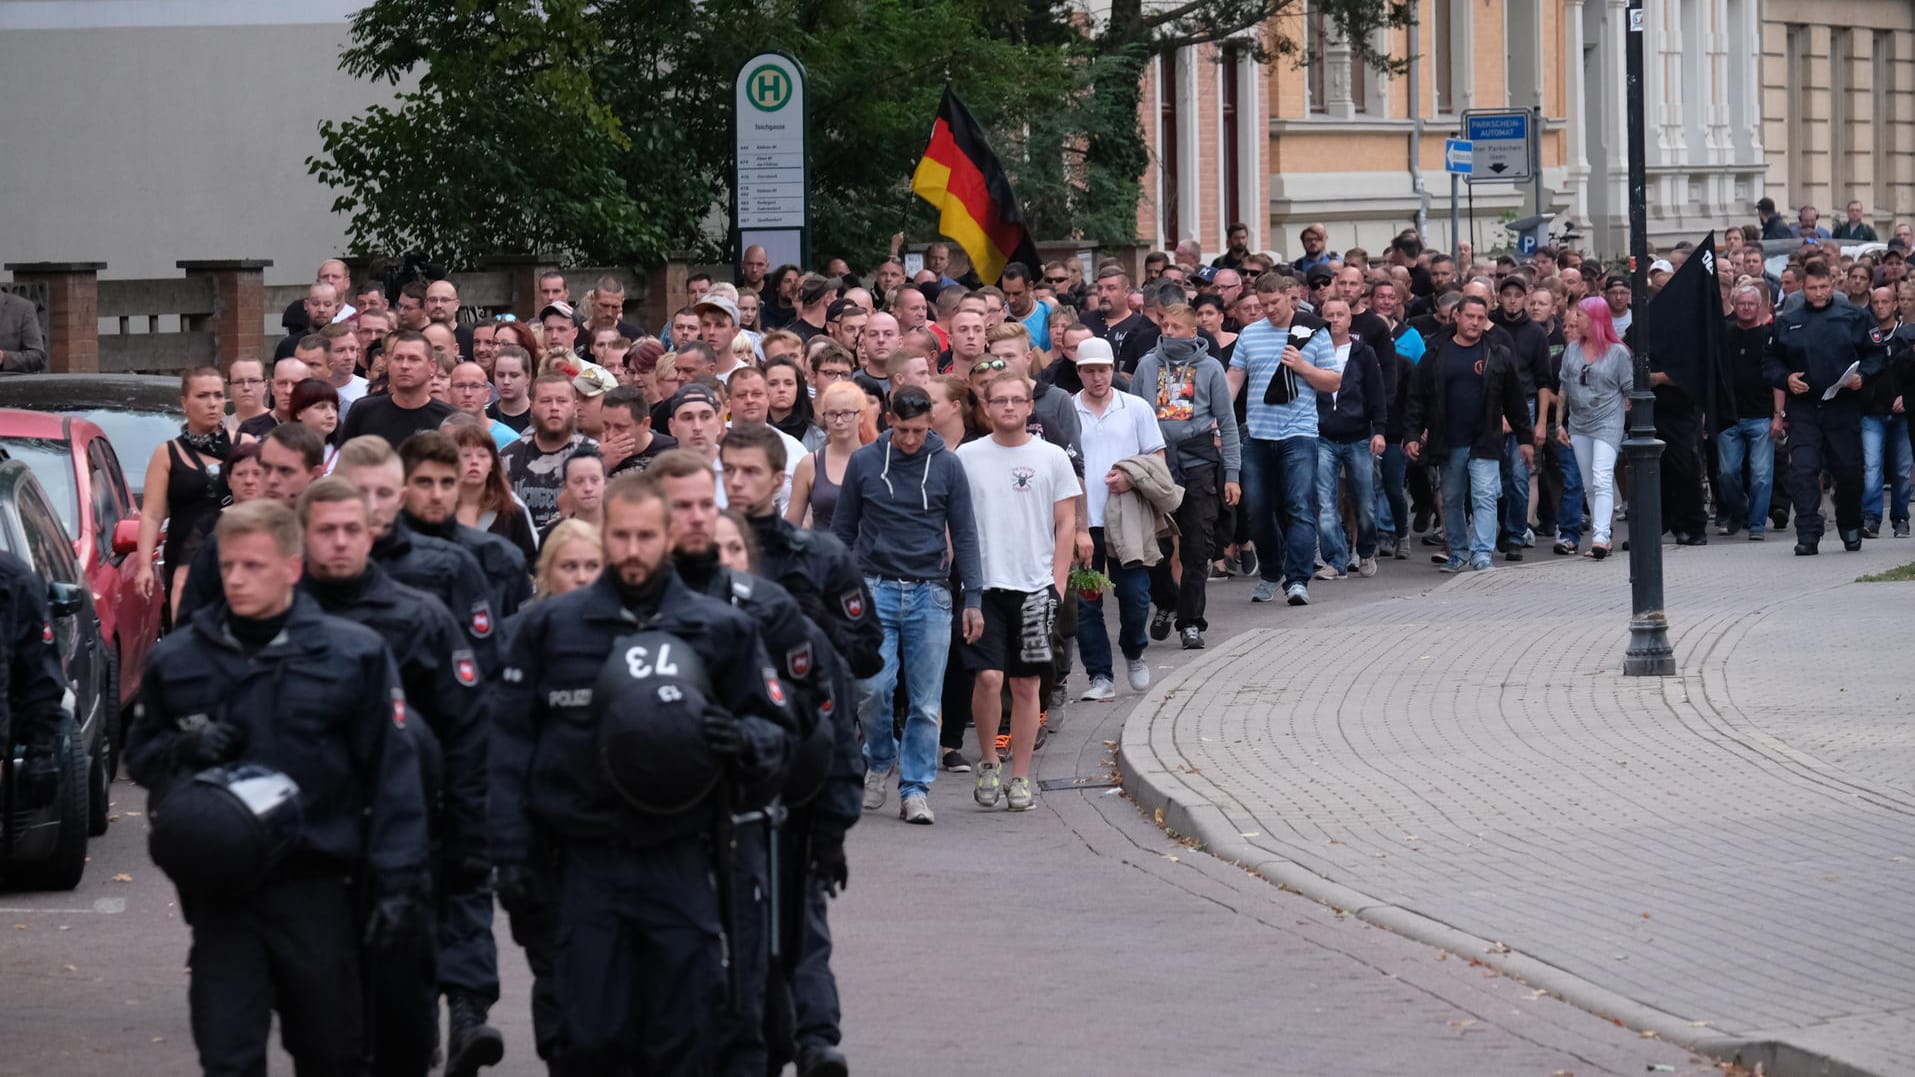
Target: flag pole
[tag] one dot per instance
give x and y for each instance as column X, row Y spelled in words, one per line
column 1649, row 654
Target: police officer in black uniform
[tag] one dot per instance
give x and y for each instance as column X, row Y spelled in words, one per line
column 432, row 508
column 283, row 919
column 596, row 744
column 442, row 684
column 1809, row 355
column 691, row 492
column 818, row 570
column 31, row 682
column 434, row 566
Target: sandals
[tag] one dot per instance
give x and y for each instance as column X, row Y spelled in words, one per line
column 1564, row 547
column 1599, row 552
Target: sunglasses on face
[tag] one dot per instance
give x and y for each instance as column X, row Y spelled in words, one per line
column 983, row 365
column 1058, row 280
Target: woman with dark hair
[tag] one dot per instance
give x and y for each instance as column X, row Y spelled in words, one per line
column 486, row 500
column 520, row 334
column 316, row 404
column 184, row 478
column 245, row 474
column 791, row 412
column 737, row 546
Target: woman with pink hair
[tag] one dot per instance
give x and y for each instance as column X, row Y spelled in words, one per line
column 1595, row 375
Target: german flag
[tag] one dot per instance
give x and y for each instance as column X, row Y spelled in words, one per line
column 960, row 175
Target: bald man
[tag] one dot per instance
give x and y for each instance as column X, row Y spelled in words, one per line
column 321, row 307
column 332, row 271
column 752, row 268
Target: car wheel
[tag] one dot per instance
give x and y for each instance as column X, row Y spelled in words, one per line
column 63, row 869
column 98, row 778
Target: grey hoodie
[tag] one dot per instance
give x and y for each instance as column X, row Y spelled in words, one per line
column 1210, row 406
column 894, row 508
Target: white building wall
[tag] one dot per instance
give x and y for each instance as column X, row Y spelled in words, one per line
column 142, row 132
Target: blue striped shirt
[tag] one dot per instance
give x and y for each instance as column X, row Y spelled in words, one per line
column 1259, row 353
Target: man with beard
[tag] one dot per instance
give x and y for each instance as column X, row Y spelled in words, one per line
column 535, row 463
column 431, row 461
column 1114, row 320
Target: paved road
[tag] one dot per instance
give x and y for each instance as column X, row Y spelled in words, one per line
column 1078, row 939
column 1727, row 853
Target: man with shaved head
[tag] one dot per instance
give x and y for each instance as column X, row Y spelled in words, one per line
column 298, row 322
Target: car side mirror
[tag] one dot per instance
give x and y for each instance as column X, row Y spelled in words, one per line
column 126, row 536
column 66, row 599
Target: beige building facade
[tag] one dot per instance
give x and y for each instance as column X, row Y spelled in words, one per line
column 1838, row 121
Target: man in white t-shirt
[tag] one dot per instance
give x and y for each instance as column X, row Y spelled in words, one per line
column 1024, row 493
column 1111, row 427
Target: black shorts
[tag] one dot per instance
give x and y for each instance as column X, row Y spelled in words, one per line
column 1017, row 633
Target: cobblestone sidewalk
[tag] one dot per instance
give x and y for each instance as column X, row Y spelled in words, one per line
column 1724, row 857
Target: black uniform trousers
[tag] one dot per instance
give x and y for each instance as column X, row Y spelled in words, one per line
column 405, row 1009
column 1824, row 437
column 1680, row 428
column 468, row 950
column 536, row 931
column 743, row 1053
column 292, row 946
column 1196, row 526
column 641, row 960
column 801, row 1003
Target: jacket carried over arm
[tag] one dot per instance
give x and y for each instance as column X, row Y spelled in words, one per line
column 1134, row 521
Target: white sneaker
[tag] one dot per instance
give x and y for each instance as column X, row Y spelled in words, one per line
column 916, row 809
column 1366, row 567
column 1297, row 595
column 875, row 787
column 1139, row 672
column 1101, row 690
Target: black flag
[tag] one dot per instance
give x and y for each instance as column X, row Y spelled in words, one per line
column 1685, row 331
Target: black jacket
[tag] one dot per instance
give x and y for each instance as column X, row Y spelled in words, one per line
column 502, row 562
column 31, row 680
column 321, row 703
column 1819, row 344
column 1503, row 401
column 1529, row 343
column 1361, row 408
column 443, row 685
column 449, row 574
column 544, row 763
column 818, row 572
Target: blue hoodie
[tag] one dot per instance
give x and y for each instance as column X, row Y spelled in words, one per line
column 893, row 509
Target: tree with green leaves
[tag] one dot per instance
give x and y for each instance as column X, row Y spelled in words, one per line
column 601, row 130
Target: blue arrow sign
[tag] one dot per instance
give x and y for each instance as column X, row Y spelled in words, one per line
column 1459, row 156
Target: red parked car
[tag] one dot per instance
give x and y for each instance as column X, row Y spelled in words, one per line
column 82, row 476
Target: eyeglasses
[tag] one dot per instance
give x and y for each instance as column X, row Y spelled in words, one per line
column 833, row 375
column 983, row 365
column 1007, row 401
column 838, row 416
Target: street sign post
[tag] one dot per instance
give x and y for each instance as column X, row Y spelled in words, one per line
column 770, row 181
column 1459, row 160
column 1500, row 145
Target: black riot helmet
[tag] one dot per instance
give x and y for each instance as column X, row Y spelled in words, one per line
column 650, row 700
column 223, row 832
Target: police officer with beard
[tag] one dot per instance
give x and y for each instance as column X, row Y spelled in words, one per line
column 287, row 899
column 633, row 718
column 803, row 1010
column 434, row 566
column 691, row 492
column 432, row 508
column 1808, row 357
column 441, row 680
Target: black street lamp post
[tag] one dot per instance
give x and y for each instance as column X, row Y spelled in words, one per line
column 1649, row 654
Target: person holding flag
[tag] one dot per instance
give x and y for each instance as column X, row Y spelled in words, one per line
column 961, row 176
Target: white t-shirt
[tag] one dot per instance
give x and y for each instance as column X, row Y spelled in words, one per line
column 1013, row 493
column 349, row 394
column 1128, row 427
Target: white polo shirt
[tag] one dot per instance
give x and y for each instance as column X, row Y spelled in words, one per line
column 1128, row 427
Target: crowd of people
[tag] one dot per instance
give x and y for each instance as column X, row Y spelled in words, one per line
column 648, row 622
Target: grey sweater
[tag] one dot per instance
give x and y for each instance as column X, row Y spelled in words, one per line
column 1209, row 405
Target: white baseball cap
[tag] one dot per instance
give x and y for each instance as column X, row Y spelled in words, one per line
column 1095, row 351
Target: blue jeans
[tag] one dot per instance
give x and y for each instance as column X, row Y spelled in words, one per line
column 1515, row 475
column 1132, row 587
column 1569, row 512
column 1279, row 494
column 1334, row 459
column 1749, row 439
column 916, row 618
column 1881, row 436
column 1392, row 499
column 1469, row 494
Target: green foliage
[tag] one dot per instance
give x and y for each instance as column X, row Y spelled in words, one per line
column 602, row 131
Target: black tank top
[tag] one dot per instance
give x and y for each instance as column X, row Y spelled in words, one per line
column 195, row 492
